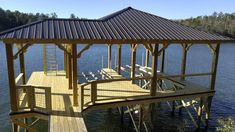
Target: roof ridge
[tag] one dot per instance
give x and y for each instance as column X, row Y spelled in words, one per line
column 107, row 17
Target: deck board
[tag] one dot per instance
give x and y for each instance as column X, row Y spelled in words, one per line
column 64, row 116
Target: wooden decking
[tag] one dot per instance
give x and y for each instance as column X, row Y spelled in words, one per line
column 113, row 92
column 64, row 117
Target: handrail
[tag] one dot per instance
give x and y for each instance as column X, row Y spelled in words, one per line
column 185, row 75
column 19, row 77
column 30, row 92
column 94, row 83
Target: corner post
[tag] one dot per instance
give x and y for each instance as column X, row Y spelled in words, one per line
column 22, row 67
column 119, row 59
column 133, row 60
column 184, row 58
column 109, row 56
column 154, row 70
column 11, row 80
column 75, row 85
column 215, row 60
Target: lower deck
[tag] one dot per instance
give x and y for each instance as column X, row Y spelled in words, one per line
column 99, row 94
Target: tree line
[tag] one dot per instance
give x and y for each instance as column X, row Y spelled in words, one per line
column 220, row 23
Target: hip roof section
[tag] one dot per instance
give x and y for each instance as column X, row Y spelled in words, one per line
column 127, row 25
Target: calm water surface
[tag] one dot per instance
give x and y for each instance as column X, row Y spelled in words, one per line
column 199, row 60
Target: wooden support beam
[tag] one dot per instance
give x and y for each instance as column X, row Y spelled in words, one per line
column 184, row 59
column 154, row 70
column 11, row 80
column 11, row 77
column 75, row 84
column 84, row 49
column 109, row 56
column 163, row 61
column 62, row 48
column 22, row 49
column 208, row 109
column 147, row 58
column 22, row 67
column 65, row 64
column 119, row 59
column 215, row 59
column 133, row 60
column 69, row 70
column 140, row 118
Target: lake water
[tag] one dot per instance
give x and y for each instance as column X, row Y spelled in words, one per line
column 199, row 60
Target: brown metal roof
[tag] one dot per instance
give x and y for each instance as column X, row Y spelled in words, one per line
column 127, row 25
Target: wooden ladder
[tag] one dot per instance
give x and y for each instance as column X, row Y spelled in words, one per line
column 50, row 61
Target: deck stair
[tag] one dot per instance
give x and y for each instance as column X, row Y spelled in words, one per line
column 51, row 66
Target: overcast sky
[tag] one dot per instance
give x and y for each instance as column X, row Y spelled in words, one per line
column 172, row 9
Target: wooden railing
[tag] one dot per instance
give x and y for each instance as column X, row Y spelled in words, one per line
column 93, row 86
column 31, row 100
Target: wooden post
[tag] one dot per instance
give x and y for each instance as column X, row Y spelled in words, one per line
column 119, row 59
column 93, row 92
column 154, row 70
column 215, row 59
column 65, row 64
column 69, row 68
column 163, row 61
column 81, row 98
column 109, row 56
column 75, row 85
column 208, row 108
column 11, row 81
column 133, row 60
column 184, row 58
column 147, row 58
column 140, row 119
column 22, row 67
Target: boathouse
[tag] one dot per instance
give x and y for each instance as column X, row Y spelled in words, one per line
column 60, row 98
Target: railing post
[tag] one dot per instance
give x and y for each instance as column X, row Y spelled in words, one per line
column 31, row 97
column 93, row 92
column 48, row 99
column 81, row 98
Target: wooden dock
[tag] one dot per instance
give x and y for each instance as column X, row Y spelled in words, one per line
column 64, row 116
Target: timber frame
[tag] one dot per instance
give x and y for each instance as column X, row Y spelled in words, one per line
column 155, row 41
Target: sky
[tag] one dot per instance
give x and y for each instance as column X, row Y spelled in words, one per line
column 171, row 9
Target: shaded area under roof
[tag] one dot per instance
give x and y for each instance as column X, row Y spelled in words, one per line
column 125, row 26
